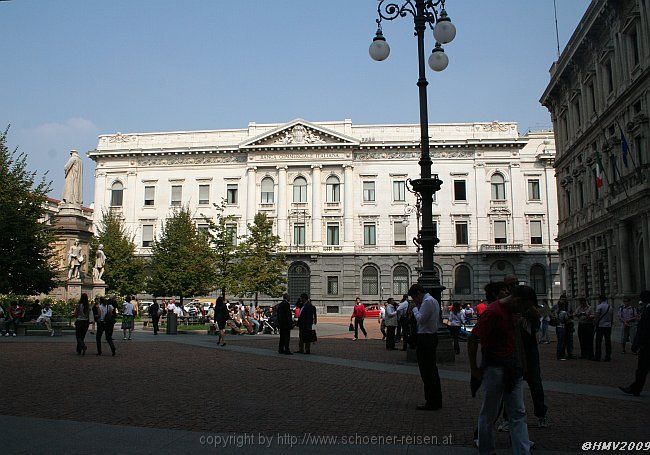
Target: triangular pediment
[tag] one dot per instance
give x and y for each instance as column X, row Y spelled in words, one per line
column 299, row 133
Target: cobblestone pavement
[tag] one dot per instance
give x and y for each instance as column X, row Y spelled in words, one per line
column 185, row 383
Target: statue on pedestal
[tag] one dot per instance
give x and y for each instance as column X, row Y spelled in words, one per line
column 75, row 259
column 100, row 262
column 72, row 191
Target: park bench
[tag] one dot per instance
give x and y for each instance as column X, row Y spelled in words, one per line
column 34, row 328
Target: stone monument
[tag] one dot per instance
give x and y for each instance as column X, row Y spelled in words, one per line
column 74, row 231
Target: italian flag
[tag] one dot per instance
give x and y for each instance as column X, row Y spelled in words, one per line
column 600, row 171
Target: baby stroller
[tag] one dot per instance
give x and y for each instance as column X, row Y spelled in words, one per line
column 270, row 325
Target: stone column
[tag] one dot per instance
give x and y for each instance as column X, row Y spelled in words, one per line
column 250, row 194
column 282, row 204
column 316, row 210
column 611, row 260
column 624, row 259
column 645, row 228
column 348, row 202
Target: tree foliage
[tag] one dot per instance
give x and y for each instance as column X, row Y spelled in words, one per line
column 223, row 240
column 124, row 272
column 26, row 265
column 182, row 261
column 261, row 264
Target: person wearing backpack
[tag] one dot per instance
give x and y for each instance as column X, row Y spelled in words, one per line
column 603, row 323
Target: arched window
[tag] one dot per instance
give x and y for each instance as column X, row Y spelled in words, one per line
column 538, row 279
column 117, row 194
column 400, row 280
column 498, row 184
column 370, row 281
column 267, row 190
column 333, row 189
column 300, row 190
column 462, row 280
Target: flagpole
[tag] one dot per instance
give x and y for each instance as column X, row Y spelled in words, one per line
column 557, row 33
column 637, row 168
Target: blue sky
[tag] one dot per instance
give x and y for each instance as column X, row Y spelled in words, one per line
column 73, row 69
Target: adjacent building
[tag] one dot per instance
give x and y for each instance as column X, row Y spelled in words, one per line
column 598, row 99
column 338, row 195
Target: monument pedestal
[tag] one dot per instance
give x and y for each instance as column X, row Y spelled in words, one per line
column 73, row 289
column 99, row 289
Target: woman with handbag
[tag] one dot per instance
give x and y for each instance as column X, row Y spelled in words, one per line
column 82, row 316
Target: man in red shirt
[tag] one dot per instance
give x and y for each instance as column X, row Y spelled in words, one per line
column 480, row 308
column 358, row 314
column 16, row 316
column 500, row 372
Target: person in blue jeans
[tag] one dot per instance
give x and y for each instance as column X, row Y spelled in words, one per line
column 501, row 373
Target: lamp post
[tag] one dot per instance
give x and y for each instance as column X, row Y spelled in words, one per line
column 425, row 13
column 417, row 209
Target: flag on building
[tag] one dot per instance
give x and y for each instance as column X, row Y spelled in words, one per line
column 600, row 171
column 625, row 148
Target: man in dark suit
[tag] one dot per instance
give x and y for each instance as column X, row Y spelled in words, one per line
column 305, row 321
column 155, row 316
column 285, row 322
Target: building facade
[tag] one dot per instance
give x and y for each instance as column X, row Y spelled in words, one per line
column 598, row 99
column 338, row 197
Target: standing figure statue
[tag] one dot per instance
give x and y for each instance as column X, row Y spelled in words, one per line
column 75, row 259
column 73, row 179
column 100, row 262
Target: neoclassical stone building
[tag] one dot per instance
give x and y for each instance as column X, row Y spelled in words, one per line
column 598, row 99
column 337, row 194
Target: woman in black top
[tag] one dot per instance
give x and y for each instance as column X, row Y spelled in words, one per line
column 221, row 315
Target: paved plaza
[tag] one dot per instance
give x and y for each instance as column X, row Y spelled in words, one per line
column 170, row 394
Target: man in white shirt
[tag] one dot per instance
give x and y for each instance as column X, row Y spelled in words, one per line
column 403, row 320
column 127, row 318
column 426, row 311
column 46, row 318
column 603, row 322
column 105, row 321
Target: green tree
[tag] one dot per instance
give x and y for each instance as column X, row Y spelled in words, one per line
column 261, row 263
column 124, row 272
column 26, row 265
column 224, row 241
column 182, row 261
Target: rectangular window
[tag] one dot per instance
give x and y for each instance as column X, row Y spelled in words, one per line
column 536, row 232
column 332, row 285
column 203, row 228
column 609, row 75
column 592, row 98
column 568, row 203
column 369, row 234
column 177, row 195
column 333, row 192
column 147, row 235
column 149, row 195
column 634, row 41
column 638, row 145
column 332, row 234
column 231, row 231
column 460, row 191
column 500, row 232
column 581, row 194
column 399, row 233
column 533, row 190
column 204, row 194
column 231, row 193
column 435, row 228
column 577, row 112
column 462, row 237
column 368, row 191
column 299, row 234
column 399, row 191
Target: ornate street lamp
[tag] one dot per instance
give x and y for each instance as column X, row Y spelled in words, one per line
column 425, row 13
